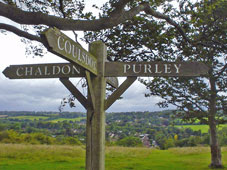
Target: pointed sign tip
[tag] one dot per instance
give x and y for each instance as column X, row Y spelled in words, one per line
column 5, row 71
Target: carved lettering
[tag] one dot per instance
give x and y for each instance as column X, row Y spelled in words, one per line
column 126, row 67
column 56, row 70
column 134, row 68
column 75, row 70
column 68, row 47
column 157, row 70
column 167, row 68
column 177, row 68
column 38, row 71
column 18, row 73
column 46, row 72
column 147, row 68
column 74, row 51
column 28, row 71
column 59, row 44
column 66, row 69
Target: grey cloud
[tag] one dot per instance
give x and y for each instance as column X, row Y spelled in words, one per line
column 32, row 95
column 46, row 95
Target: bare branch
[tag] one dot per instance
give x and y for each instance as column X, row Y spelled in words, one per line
column 222, row 70
column 156, row 14
column 61, row 8
column 20, row 32
column 220, row 44
column 37, row 18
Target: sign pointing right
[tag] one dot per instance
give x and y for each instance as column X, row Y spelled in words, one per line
column 155, row 69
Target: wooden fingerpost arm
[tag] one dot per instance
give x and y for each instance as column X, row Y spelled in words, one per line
column 119, row 91
column 75, row 92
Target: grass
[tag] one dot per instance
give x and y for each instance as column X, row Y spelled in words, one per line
column 35, row 157
column 203, row 128
column 29, row 117
column 44, row 118
column 67, row 119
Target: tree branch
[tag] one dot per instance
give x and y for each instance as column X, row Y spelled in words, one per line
column 119, row 6
column 156, row 14
column 37, row 18
column 221, row 71
column 121, row 3
column 61, row 8
column 20, row 32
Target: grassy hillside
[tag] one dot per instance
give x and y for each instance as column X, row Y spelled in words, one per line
column 29, row 117
column 67, row 119
column 36, row 157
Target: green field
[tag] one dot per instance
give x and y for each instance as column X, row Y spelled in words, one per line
column 49, row 157
column 203, row 128
column 67, row 119
column 44, row 118
column 29, row 117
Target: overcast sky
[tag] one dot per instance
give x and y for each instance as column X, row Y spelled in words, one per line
column 47, row 94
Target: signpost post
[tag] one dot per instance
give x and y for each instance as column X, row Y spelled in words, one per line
column 82, row 63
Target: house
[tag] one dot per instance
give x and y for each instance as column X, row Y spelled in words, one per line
column 145, row 140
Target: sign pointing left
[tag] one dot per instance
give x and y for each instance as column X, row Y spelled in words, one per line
column 54, row 70
column 35, row 71
column 63, row 46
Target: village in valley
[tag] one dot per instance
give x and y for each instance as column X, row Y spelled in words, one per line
column 145, row 129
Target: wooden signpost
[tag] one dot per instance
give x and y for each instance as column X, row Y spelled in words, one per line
column 94, row 61
column 54, row 70
column 155, row 69
column 63, row 46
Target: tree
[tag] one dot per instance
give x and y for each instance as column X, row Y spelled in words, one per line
column 201, row 98
column 135, row 30
column 36, row 15
column 196, row 31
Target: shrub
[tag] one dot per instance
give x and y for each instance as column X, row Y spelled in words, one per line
column 72, row 141
column 129, row 142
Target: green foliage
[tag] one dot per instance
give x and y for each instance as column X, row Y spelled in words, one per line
column 29, row 117
column 222, row 135
column 202, row 128
column 67, row 119
column 156, row 125
column 68, row 140
column 129, row 142
column 169, row 143
column 199, row 34
column 11, row 136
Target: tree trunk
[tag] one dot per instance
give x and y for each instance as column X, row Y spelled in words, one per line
column 216, row 161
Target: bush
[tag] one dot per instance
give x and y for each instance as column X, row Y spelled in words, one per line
column 169, row 143
column 43, row 139
column 12, row 136
column 129, row 142
column 72, row 141
column 182, row 142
